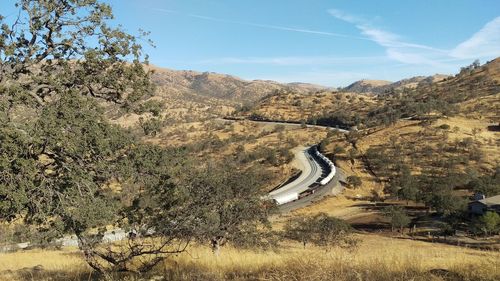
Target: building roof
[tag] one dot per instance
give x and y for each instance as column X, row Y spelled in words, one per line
column 491, row 201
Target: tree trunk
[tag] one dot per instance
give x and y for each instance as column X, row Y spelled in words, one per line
column 216, row 249
column 216, row 243
column 89, row 254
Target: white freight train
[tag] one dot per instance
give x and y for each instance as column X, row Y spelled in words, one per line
column 289, row 197
column 285, row 198
column 330, row 164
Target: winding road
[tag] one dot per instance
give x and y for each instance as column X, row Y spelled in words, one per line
column 311, row 172
column 291, row 196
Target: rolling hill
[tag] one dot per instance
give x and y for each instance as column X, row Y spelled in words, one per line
column 384, row 87
column 220, row 86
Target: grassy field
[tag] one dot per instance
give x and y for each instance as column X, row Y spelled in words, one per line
column 376, row 258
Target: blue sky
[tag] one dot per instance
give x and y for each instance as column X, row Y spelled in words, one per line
column 327, row 42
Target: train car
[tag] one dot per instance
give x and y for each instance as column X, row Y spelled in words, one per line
column 286, row 198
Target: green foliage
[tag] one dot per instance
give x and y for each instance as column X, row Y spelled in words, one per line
column 339, row 118
column 151, row 126
column 299, row 229
column 279, row 128
column 441, row 196
column 323, row 144
column 354, row 181
column 405, row 185
column 321, row 230
column 55, row 46
column 488, row 185
column 57, row 167
column 256, row 116
column 338, row 150
column 267, row 155
column 444, row 127
column 352, row 154
column 226, row 203
column 489, row 223
column 397, row 217
column 152, row 106
column 61, row 161
column 245, row 107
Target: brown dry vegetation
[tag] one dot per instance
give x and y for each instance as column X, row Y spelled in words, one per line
column 296, row 107
column 376, row 258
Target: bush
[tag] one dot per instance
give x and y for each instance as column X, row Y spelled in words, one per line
column 354, row 181
column 398, row 217
column 489, row 223
column 152, row 126
column 444, row 127
column 320, row 230
column 153, row 106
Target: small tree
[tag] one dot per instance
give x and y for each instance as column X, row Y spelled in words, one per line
column 397, row 217
column 489, row 223
column 323, row 144
column 352, row 154
column 330, row 231
column 299, row 229
column 442, row 198
column 338, row 150
column 152, row 126
column 354, row 181
column 227, row 204
column 321, row 230
column 152, row 106
column 444, row 127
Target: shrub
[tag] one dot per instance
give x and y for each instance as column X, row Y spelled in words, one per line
column 152, row 126
column 397, row 217
column 320, row 230
column 444, row 127
column 354, row 181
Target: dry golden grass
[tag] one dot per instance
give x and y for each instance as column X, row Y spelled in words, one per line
column 298, row 107
column 20, row 265
column 483, row 107
column 376, row 258
column 407, row 131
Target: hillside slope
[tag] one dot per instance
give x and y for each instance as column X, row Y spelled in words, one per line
column 380, row 87
column 474, row 92
column 366, row 86
column 221, row 86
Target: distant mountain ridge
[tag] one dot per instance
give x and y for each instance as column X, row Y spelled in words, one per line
column 384, row 87
column 222, row 86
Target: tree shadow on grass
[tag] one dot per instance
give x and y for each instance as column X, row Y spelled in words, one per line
column 494, row 128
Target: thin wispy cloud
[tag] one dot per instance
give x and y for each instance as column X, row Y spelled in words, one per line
column 484, row 43
column 265, row 26
column 396, row 48
column 382, row 37
column 292, row 61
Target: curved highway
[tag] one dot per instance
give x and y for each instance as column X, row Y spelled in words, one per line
column 311, row 172
column 315, row 181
